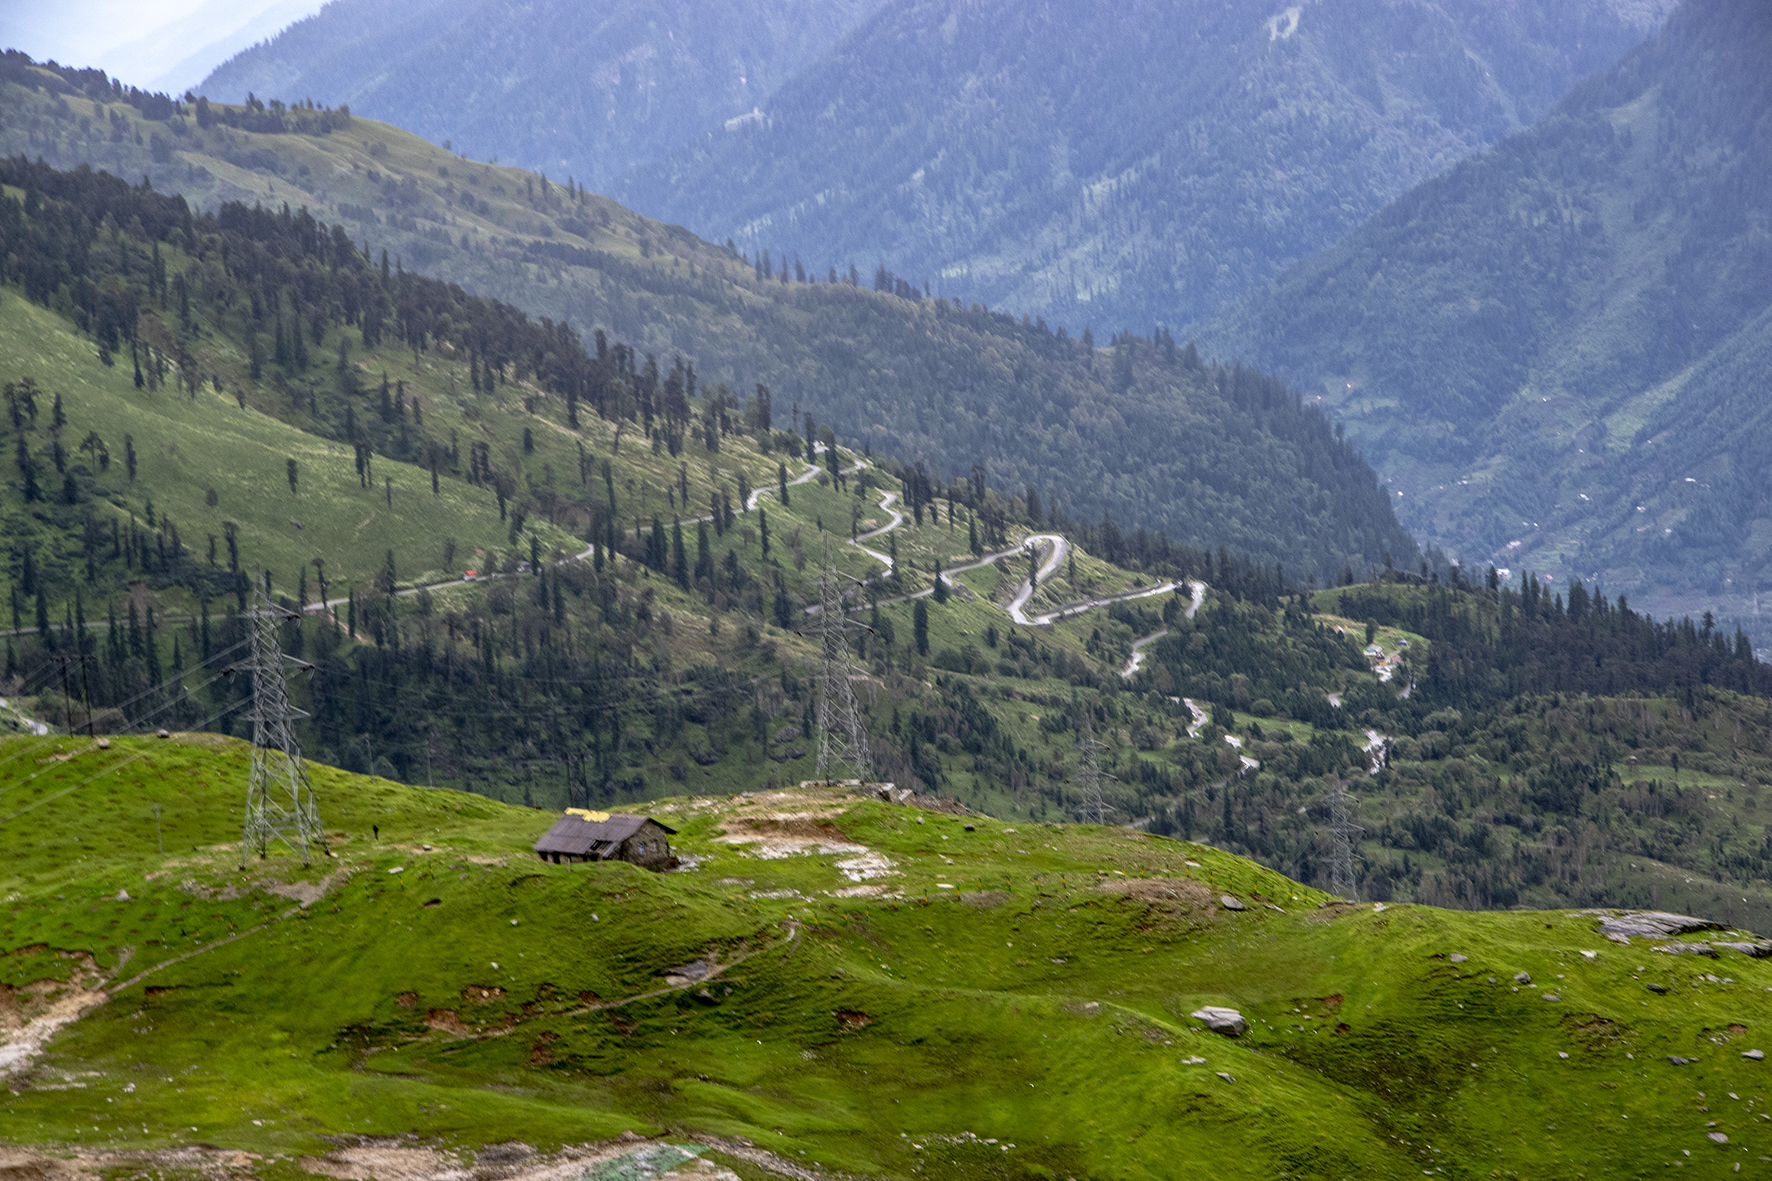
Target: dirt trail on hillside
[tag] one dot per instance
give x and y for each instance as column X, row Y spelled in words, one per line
column 405, row 1159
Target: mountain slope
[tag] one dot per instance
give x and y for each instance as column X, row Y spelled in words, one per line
column 569, row 89
column 990, row 1000
column 1556, row 353
column 1129, row 166
column 1141, row 431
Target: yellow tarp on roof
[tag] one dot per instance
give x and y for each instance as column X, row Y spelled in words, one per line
column 593, row 817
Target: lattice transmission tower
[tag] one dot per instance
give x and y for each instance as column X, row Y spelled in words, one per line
column 1342, row 882
column 279, row 798
column 1088, row 777
column 842, row 735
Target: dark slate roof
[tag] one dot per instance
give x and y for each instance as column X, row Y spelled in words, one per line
column 579, row 837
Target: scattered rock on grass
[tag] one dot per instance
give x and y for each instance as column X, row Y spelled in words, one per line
column 1227, row 1078
column 1703, row 949
column 1458, row 959
column 1523, row 977
column 1756, row 1055
column 1230, row 902
column 1222, row 1020
column 1679, row 1061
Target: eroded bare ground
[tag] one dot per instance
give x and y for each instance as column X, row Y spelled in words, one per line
column 30, row 1015
column 407, row 1159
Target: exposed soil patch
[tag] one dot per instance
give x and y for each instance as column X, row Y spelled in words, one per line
column 304, row 893
column 31, row 1015
column 450, row 1022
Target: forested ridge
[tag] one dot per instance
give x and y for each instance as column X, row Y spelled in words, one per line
column 1131, row 426
column 669, row 658
column 1552, row 747
column 249, row 312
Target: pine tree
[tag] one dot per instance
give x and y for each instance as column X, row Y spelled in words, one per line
column 920, row 626
column 679, row 560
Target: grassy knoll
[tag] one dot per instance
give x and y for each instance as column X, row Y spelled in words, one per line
column 1020, row 983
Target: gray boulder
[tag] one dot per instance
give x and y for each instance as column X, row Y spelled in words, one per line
column 1704, row 949
column 1759, row 948
column 1222, row 1020
column 1651, row 924
column 1230, row 902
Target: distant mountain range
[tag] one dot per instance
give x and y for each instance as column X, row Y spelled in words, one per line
column 588, row 91
column 1125, row 165
column 1110, row 167
column 1559, row 352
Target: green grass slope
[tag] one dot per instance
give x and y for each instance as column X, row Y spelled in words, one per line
column 190, row 445
column 989, row 999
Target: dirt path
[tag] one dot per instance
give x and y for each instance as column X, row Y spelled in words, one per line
column 1198, row 590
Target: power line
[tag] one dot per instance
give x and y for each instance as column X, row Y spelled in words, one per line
column 279, row 798
column 1342, row 828
column 30, row 746
column 1088, row 777
column 842, row 736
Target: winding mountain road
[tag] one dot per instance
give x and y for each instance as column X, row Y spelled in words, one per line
column 1198, row 589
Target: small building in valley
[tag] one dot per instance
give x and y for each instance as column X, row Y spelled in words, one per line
column 582, row 835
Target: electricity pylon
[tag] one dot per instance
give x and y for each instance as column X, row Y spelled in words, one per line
column 842, row 736
column 279, row 798
column 1342, row 828
column 1094, row 807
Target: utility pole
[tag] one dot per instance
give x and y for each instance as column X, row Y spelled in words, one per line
column 279, row 798
column 1094, row 807
column 842, row 736
column 1342, row 828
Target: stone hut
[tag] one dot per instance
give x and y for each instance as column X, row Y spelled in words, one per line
column 582, row 835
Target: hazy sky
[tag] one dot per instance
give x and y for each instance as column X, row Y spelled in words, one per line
column 154, row 44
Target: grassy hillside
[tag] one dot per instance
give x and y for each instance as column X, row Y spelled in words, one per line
column 188, row 446
column 1552, row 351
column 1008, row 1001
column 1207, row 454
